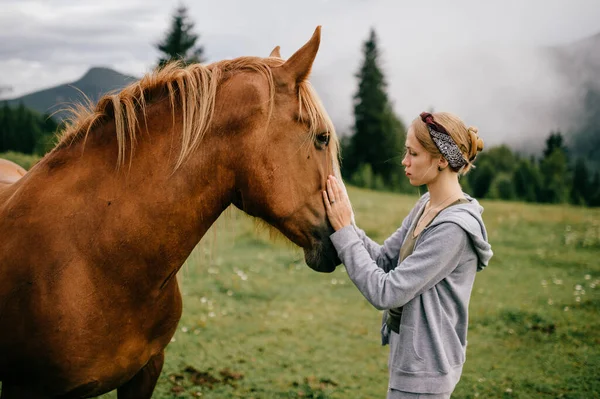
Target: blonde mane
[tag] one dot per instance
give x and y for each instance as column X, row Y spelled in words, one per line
column 193, row 89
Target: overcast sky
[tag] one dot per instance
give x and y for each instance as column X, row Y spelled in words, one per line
column 471, row 57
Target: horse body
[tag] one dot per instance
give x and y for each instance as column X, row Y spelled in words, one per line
column 90, row 299
column 89, row 254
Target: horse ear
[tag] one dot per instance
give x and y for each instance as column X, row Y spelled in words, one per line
column 275, row 53
column 298, row 66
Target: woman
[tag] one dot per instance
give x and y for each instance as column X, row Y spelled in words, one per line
column 423, row 273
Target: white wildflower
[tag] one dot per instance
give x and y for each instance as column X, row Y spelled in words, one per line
column 242, row 275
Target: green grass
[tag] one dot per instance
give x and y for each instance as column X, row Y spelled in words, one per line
column 258, row 323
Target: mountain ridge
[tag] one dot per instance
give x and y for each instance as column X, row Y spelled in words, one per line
column 94, row 83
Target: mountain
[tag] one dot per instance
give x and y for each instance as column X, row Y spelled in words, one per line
column 95, row 83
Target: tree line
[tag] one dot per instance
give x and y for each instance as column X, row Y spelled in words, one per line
column 373, row 151
column 551, row 178
column 24, row 130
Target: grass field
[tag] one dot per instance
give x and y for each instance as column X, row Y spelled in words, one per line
column 258, row 323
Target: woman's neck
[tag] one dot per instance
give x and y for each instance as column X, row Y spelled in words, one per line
column 443, row 188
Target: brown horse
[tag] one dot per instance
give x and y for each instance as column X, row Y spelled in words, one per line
column 92, row 237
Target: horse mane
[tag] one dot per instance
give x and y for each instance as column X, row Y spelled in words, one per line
column 193, row 88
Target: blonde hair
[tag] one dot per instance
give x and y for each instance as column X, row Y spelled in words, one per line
column 466, row 138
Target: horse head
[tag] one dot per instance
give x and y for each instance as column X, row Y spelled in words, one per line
column 286, row 150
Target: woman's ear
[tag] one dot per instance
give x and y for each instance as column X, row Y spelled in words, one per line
column 442, row 164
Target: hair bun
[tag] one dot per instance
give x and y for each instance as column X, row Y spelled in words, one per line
column 476, row 142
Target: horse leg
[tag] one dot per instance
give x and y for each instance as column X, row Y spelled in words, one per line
column 142, row 384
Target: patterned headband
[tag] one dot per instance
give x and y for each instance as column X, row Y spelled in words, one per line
column 443, row 141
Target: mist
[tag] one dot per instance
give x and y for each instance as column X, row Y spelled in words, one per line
column 512, row 95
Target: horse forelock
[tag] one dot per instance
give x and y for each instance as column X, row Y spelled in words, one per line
column 193, row 89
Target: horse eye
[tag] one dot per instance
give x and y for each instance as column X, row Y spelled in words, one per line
column 323, row 139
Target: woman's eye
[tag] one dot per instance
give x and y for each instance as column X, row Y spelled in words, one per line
column 323, row 139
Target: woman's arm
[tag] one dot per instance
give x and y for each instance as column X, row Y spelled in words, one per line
column 434, row 258
column 386, row 256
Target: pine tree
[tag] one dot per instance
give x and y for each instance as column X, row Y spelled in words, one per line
column 180, row 42
column 555, row 140
column 554, row 171
column 595, row 191
column 580, row 189
column 527, row 180
column 378, row 132
column 7, row 127
column 480, row 179
column 25, row 127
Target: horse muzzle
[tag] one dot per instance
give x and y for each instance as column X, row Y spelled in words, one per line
column 322, row 255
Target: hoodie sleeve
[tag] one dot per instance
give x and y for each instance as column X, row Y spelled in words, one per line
column 434, row 258
column 386, row 256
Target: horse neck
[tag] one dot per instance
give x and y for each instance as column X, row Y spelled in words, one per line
column 160, row 212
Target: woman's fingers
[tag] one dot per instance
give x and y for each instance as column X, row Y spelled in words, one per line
column 340, row 193
column 340, row 189
column 330, row 191
column 326, row 201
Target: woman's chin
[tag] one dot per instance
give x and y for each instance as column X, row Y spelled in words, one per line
column 414, row 182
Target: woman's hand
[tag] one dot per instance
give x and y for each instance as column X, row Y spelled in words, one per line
column 337, row 204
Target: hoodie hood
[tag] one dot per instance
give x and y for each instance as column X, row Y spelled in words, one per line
column 468, row 217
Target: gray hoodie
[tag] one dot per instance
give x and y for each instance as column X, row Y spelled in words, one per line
column 432, row 285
